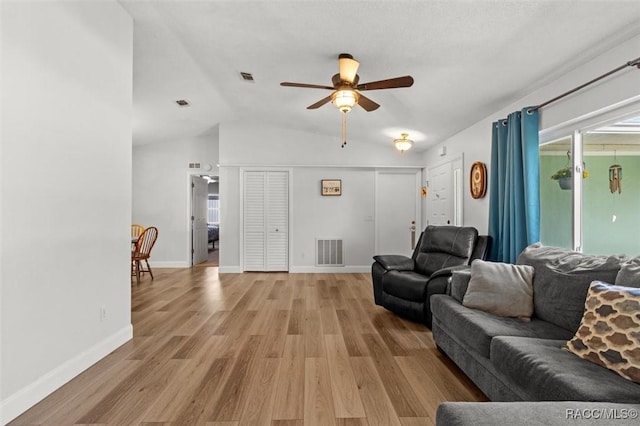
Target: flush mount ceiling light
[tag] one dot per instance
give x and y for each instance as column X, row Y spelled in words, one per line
column 346, row 89
column 403, row 143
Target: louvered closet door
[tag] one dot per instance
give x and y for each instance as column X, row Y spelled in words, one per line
column 277, row 221
column 254, row 221
column 266, row 221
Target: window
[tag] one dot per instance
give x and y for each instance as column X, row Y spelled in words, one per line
column 213, row 209
column 555, row 202
column 593, row 210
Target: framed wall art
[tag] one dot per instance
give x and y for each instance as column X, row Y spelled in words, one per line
column 331, row 187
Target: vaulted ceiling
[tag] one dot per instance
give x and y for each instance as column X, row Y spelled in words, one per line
column 468, row 59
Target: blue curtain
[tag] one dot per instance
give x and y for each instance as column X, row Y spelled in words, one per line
column 514, row 185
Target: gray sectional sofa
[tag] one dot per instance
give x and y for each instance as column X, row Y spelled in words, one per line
column 511, row 360
column 537, row 413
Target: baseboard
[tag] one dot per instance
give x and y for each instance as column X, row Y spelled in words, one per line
column 350, row 269
column 27, row 397
column 307, row 269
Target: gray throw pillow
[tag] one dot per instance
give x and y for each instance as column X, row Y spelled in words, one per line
column 502, row 289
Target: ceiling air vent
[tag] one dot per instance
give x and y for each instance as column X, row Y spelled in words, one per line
column 182, row 102
column 247, row 76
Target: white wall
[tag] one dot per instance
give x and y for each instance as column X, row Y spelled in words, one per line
column 310, row 158
column 161, row 186
column 66, row 192
column 620, row 90
column 349, row 216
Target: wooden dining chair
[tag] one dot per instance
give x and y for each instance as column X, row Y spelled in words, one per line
column 142, row 252
column 136, row 230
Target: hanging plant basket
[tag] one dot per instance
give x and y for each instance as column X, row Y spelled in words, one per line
column 565, row 182
column 563, row 176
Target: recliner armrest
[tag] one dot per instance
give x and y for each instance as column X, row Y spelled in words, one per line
column 447, row 272
column 395, row 262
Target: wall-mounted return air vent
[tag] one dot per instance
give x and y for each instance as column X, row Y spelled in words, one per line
column 194, row 165
column 329, row 252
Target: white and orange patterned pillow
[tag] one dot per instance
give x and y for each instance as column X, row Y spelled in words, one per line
column 609, row 333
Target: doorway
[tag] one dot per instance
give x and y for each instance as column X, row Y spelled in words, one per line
column 204, row 221
column 445, row 193
column 397, row 211
column 198, row 220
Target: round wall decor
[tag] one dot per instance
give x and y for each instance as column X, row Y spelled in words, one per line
column 478, row 180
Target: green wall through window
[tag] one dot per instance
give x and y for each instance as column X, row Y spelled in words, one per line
column 601, row 234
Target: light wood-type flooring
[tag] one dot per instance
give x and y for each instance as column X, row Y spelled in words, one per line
column 270, row 349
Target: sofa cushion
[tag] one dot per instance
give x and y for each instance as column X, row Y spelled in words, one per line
column 550, row 373
column 501, row 289
column 562, row 279
column 474, row 329
column 609, row 334
column 406, row 285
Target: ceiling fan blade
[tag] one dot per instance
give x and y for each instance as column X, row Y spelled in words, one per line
column 392, row 83
column 308, row 86
column 367, row 103
column 348, row 67
column 320, row 102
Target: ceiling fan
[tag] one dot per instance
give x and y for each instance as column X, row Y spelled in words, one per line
column 346, row 88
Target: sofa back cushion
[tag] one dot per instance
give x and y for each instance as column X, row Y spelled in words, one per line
column 562, row 279
column 629, row 275
column 444, row 246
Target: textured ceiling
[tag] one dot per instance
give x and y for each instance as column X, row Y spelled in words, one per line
column 468, row 59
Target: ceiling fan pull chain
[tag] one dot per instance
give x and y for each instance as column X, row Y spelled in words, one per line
column 344, row 129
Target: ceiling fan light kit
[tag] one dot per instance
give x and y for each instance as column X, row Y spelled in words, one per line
column 348, row 67
column 345, row 89
column 403, row 143
column 344, row 100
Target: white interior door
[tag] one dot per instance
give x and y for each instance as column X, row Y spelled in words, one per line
column 277, row 246
column 199, row 232
column 266, row 221
column 254, row 235
column 440, row 197
column 397, row 211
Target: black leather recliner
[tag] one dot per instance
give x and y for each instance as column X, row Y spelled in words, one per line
column 404, row 285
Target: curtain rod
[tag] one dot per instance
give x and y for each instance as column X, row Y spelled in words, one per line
column 633, row 63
